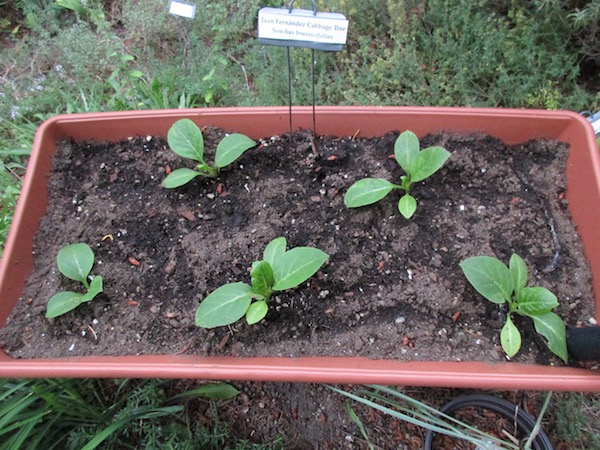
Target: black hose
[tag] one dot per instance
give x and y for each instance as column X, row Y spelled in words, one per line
column 583, row 344
column 525, row 421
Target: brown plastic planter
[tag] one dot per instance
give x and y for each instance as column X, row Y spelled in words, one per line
column 512, row 126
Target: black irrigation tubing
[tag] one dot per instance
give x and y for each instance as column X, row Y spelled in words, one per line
column 524, row 421
column 583, row 344
column 551, row 266
column 554, row 261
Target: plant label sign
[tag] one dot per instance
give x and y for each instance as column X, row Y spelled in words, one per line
column 594, row 119
column 182, row 8
column 302, row 28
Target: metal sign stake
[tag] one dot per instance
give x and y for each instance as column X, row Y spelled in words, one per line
column 313, row 64
column 289, row 63
column 186, row 9
column 286, row 27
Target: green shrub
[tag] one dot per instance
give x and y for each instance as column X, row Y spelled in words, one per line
column 109, row 414
column 573, row 424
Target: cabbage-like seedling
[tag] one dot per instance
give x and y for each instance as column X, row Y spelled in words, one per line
column 417, row 165
column 279, row 270
column 75, row 261
column 186, row 140
column 500, row 284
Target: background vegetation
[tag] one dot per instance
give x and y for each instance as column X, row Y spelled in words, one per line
column 65, row 56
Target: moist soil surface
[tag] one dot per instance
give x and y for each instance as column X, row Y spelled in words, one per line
column 392, row 288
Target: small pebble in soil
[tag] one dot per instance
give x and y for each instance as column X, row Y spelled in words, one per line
column 170, row 267
column 399, row 320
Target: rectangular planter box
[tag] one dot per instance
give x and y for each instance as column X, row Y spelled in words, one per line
column 510, row 125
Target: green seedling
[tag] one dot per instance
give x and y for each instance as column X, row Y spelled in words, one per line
column 279, row 270
column 500, row 284
column 186, row 140
column 75, row 261
column 417, row 165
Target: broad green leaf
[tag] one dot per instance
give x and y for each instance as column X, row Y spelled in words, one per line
column 231, row 148
column 215, row 391
column 96, row 286
column 296, row 266
column 407, row 205
column 257, row 312
column 553, row 329
column 75, row 261
column 186, row 140
column 274, row 250
column 537, row 300
column 62, row 302
column 510, row 338
column 518, row 271
column 490, row 277
column 135, row 73
column 262, row 278
column 354, row 418
column 406, row 148
column 427, row 162
column 223, row 306
column 179, row 177
column 367, row 191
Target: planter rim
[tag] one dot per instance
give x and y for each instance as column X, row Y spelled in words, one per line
column 345, row 370
column 507, row 124
column 353, row 110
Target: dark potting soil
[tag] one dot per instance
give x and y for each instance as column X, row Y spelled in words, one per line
column 392, row 287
